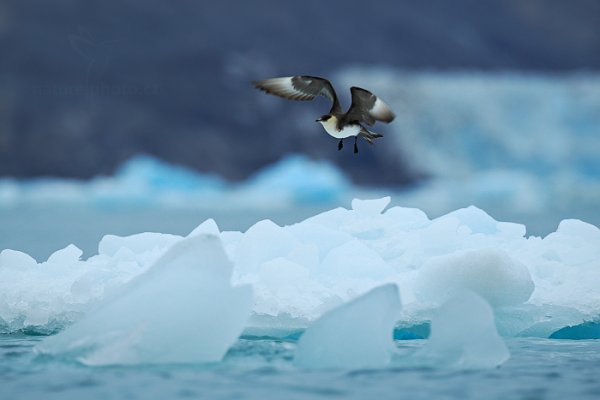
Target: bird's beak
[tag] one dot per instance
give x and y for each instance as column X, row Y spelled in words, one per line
column 318, row 120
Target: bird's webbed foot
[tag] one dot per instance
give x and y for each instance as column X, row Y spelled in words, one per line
column 341, row 144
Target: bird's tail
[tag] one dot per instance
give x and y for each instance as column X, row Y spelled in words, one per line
column 369, row 136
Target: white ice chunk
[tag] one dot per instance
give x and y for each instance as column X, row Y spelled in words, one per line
column 490, row 273
column 182, row 310
column 332, row 219
column 138, row 243
column 283, row 287
column 464, row 335
column 67, row 256
column 208, row 226
column 406, row 218
column 357, row 334
column 566, row 268
column 371, row 207
column 575, row 241
column 579, row 229
column 475, row 219
column 511, row 229
column 354, row 260
column 262, row 242
column 329, row 238
column 16, row 259
column 279, row 273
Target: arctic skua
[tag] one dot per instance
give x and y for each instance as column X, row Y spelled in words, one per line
column 366, row 108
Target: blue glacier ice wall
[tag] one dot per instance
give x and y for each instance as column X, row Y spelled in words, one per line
column 521, row 146
column 457, row 123
column 148, row 181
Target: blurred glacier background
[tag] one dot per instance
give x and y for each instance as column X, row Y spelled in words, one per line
column 121, row 117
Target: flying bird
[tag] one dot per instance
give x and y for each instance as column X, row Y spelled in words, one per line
column 366, row 108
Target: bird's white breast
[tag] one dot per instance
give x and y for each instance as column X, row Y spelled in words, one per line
column 331, row 128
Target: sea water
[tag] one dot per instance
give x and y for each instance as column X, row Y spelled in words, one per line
column 263, row 369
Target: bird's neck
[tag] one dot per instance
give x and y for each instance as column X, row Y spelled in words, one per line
column 331, row 124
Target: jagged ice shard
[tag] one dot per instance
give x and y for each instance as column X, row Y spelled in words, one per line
column 355, row 335
column 181, row 310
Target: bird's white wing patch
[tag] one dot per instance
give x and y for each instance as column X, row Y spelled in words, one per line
column 381, row 111
column 283, row 87
column 284, row 84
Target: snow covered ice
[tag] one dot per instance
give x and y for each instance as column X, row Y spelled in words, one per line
column 535, row 285
column 356, row 335
column 463, row 335
column 181, row 310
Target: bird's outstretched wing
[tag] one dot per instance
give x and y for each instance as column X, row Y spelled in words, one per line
column 368, row 108
column 300, row 87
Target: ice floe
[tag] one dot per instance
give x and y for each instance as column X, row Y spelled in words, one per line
column 535, row 285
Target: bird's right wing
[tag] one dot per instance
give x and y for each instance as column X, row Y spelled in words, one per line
column 368, row 108
column 300, row 87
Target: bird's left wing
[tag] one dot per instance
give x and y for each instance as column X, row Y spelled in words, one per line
column 299, row 87
column 368, row 108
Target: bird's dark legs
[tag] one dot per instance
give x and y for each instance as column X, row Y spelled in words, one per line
column 341, row 144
